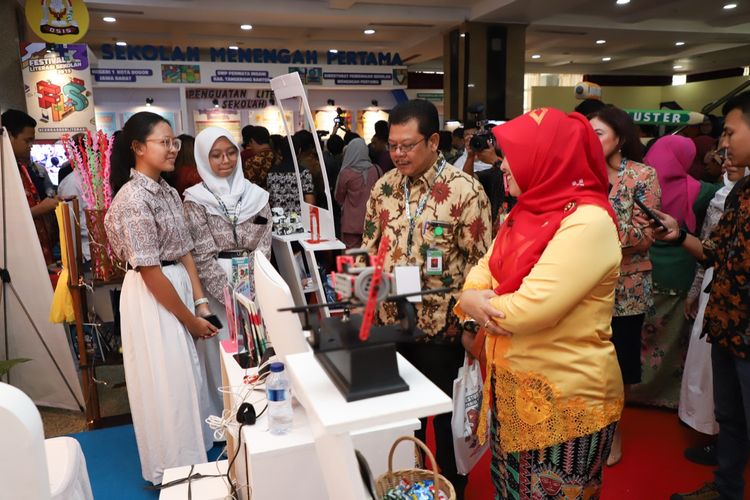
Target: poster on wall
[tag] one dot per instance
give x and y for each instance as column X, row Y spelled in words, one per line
column 58, row 21
column 366, row 120
column 168, row 115
column 228, row 119
column 57, row 84
column 270, row 117
column 106, row 121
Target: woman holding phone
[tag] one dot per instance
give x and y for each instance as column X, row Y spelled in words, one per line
column 631, row 183
column 229, row 218
column 161, row 301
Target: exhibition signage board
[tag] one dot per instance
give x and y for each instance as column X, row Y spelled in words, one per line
column 659, row 116
column 231, row 72
column 58, row 89
column 58, row 21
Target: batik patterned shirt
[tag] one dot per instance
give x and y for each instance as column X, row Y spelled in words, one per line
column 634, row 292
column 727, row 317
column 457, row 207
column 146, row 224
column 257, row 165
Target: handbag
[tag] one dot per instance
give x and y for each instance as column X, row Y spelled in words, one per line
column 467, row 404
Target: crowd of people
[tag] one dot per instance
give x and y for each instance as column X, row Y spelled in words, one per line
column 584, row 269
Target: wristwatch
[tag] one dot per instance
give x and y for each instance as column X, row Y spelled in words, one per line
column 470, row 325
column 680, row 239
column 201, row 301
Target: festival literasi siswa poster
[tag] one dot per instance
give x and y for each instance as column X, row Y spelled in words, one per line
column 58, row 84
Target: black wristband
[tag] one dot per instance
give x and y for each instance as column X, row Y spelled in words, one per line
column 680, row 239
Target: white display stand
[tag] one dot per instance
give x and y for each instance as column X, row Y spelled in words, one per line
column 290, row 271
column 334, row 421
column 291, row 466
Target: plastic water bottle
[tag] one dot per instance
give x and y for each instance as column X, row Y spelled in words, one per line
column 279, row 400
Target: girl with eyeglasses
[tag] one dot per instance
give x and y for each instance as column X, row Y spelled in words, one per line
column 161, row 303
column 229, row 218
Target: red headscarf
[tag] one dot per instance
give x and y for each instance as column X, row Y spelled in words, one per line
column 558, row 163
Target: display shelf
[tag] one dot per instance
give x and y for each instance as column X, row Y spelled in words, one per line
column 323, row 245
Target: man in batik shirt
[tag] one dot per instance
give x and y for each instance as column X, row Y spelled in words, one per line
column 726, row 322
column 21, row 129
column 258, row 163
column 443, row 231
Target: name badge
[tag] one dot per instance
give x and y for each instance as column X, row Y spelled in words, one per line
column 434, row 262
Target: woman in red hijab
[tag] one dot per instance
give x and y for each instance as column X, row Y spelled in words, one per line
column 544, row 298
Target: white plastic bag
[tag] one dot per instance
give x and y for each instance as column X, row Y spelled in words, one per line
column 467, row 403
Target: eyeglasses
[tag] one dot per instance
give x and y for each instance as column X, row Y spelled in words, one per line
column 168, row 142
column 229, row 154
column 404, row 148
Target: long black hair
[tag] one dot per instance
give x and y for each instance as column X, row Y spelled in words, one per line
column 136, row 129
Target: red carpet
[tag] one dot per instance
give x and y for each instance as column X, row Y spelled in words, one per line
column 652, row 466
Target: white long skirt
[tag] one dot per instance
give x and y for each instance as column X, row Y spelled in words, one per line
column 697, row 391
column 162, row 372
column 209, row 355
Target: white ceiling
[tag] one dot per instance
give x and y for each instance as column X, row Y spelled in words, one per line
column 640, row 35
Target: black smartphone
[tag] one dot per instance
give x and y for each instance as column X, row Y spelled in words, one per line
column 651, row 215
column 214, row 320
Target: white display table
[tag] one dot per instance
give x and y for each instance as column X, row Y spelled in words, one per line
column 289, row 466
column 334, row 421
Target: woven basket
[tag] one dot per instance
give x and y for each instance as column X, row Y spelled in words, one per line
column 392, row 478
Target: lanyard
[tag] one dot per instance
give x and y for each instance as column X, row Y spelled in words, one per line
column 231, row 217
column 420, row 206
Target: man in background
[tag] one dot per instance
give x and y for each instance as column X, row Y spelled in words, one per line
column 37, row 186
column 261, row 157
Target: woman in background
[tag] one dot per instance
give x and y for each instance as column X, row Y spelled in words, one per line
column 628, row 180
column 161, row 302
column 229, row 218
column 666, row 331
column 356, row 179
column 185, row 169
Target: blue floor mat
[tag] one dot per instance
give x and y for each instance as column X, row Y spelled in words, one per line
column 113, row 465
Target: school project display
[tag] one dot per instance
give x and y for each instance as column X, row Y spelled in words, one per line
column 90, row 157
column 291, row 98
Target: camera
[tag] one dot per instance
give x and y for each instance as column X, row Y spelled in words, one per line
column 340, row 119
column 482, row 140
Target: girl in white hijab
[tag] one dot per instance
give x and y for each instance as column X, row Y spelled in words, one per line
column 229, row 218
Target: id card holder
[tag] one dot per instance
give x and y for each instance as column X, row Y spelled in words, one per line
column 434, row 262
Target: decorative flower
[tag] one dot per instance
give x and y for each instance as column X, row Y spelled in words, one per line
column 477, row 229
column 456, row 210
column 440, row 192
column 384, row 216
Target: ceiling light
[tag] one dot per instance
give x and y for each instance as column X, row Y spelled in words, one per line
column 463, row 35
column 601, row 42
column 149, row 101
column 334, row 51
column 109, row 19
column 606, row 59
column 215, row 102
column 679, row 44
column 369, row 31
column 233, row 47
column 730, row 6
column 536, row 56
column 471, row 85
column 677, row 66
column 622, row 2
column 246, row 27
column 121, row 44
